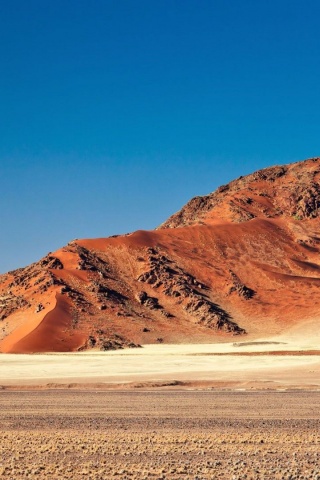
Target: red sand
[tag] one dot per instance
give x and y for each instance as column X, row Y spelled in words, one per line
column 91, row 297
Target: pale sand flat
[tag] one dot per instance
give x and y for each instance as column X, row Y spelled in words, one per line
column 187, row 363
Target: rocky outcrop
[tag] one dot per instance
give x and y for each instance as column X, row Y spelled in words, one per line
column 150, row 302
column 105, row 342
column 211, row 315
column 245, row 262
column 239, row 287
column 10, row 303
column 90, row 261
column 164, row 272
column 189, row 293
column 291, row 191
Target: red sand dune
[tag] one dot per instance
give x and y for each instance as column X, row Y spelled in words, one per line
column 243, row 260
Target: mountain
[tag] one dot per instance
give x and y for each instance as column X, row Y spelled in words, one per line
column 242, row 261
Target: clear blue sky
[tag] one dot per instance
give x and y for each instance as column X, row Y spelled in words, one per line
column 114, row 113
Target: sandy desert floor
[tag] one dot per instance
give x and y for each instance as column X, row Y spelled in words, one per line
column 242, row 410
column 284, row 362
column 95, row 434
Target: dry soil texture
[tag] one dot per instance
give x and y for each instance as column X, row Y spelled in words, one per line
column 62, row 434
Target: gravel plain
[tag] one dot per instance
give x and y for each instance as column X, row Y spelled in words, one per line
column 159, row 434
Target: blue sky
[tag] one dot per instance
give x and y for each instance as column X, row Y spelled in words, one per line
column 114, row 113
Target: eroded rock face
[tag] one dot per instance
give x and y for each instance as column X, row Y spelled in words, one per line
column 291, row 191
column 211, row 315
column 51, row 262
column 188, row 292
column 10, row 303
column 240, row 288
column 150, row 302
column 247, row 255
column 105, row 342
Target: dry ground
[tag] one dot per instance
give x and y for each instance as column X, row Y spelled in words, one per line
column 284, row 363
column 60, row 434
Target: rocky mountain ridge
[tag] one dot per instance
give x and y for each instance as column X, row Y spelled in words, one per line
column 274, row 192
column 243, row 260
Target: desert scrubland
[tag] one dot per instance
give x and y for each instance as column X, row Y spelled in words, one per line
column 244, row 410
column 190, row 434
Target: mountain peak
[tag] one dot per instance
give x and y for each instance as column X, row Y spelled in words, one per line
column 245, row 261
column 281, row 191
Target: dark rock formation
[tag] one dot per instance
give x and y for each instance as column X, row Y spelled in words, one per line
column 188, row 292
column 240, row 288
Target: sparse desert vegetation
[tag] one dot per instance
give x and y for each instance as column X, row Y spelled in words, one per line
column 67, row 434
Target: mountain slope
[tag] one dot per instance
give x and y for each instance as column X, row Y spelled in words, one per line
column 283, row 191
column 243, row 260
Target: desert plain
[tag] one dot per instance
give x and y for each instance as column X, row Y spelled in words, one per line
column 237, row 410
column 224, row 299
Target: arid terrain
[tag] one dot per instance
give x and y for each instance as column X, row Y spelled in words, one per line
column 242, row 410
column 190, row 351
column 241, row 262
column 240, row 365
column 198, row 435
